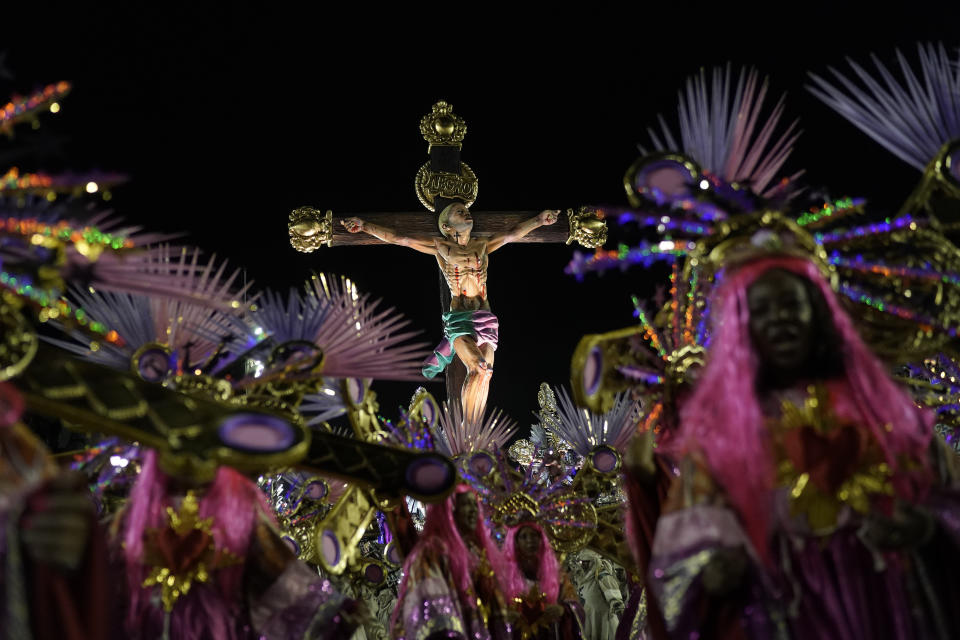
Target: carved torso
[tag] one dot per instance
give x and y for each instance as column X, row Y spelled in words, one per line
column 465, row 269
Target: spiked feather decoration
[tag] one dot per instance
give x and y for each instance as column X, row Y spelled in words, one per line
column 161, row 335
column 586, row 430
column 912, row 118
column 459, row 436
column 328, row 403
column 725, row 163
column 355, row 338
column 917, row 119
column 721, row 129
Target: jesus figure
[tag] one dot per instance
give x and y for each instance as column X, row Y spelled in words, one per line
column 470, row 330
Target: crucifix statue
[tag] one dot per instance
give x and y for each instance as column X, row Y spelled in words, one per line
column 448, row 187
column 469, row 327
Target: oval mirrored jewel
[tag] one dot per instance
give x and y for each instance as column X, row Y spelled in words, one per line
column 428, row 409
column 593, row 371
column 153, row 365
column 392, row 554
column 429, row 475
column 356, row 390
column 481, row 463
column 605, row 460
column 257, row 432
column 292, row 544
column 330, row 548
column 374, row 573
column 300, row 356
column 663, row 179
column 315, row 490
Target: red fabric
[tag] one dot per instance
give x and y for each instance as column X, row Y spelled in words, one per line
column 74, row 606
column 180, row 553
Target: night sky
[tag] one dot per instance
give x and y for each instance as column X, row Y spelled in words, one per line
column 225, row 121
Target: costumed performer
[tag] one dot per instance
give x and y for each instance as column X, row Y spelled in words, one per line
column 813, row 501
column 53, row 553
column 540, row 589
column 455, row 577
column 206, row 562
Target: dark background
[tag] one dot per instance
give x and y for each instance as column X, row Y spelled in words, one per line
column 227, row 119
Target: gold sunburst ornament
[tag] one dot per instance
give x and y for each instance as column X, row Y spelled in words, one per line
column 183, row 553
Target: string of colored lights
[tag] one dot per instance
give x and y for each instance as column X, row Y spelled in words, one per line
column 830, row 212
column 21, row 108
column 645, row 254
column 650, row 333
column 664, row 223
column 888, row 225
column 13, row 180
column 52, row 306
column 39, row 231
column 924, row 322
column 879, row 268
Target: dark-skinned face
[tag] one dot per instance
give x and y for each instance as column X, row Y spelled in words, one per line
column 781, row 325
column 528, row 543
column 465, row 513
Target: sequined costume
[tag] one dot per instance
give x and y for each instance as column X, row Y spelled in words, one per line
column 480, row 324
column 552, row 587
column 812, row 512
column 210, row 564
column 451, row 588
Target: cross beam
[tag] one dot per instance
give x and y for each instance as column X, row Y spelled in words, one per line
column 310, row 229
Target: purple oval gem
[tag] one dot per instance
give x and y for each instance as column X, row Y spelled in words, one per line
column 605, row 460
column 593, row 371
column 257, row 432
column 481, row 464
column 330, row 548
column 356, row 390
column 373, row 573
column 316, row 490
column 429, row 411
column 393, row 554
column 429, row 475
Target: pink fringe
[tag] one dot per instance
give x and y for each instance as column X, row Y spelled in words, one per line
column 548, row 575
column 440, row 529
column 207, row 611
column 723, row 421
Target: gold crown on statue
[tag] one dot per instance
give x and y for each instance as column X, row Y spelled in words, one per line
column 442, row 126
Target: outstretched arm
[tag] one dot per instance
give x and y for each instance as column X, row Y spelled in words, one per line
column 522, row 229
column 423, row 245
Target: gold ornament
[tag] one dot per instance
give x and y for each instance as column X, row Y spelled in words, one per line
column 938, row 193
column 431, row 185
column 336, row 536
column 587, row 228
column 18, row 342
column 868, row 478
column 309, row 229
column 442, row 126
column 184, row 527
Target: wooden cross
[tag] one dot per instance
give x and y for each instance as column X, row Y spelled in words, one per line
column 444, row 180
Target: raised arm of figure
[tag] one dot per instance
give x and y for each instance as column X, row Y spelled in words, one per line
column 522, row 229
column 421, row 244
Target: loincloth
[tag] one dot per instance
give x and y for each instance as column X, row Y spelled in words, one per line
column 482, row 325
